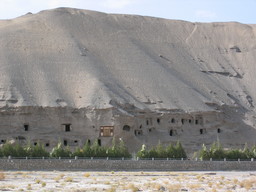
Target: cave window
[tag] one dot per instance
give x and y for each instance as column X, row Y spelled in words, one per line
column 138, row 132
column 218, row 130
column 26, row 127
column 65, row 142
column 47, row 144
column 147, row 122
column 236, row 49
column 149, row 130
column 3, row 141
column 89, row 142
column 173, row 120
column 75, row 141
column 171, row 132
column 190, row 121
column 126, row 128
column 140, row 126
column 106, row 131
column 67, row 127
column 201, row 131
column 182, row 121
column 158, row 120
column 35, row 143
column 99, row 142
column 196, row 121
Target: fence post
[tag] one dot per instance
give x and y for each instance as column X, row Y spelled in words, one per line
column 167, row 158
column 107, row 158
column 91, row 158
column 137, row 158
column 26, row 158
column 122, row 158
column 153, row 158
column 225, row 159
column 252, row 159
column 9, row 157
column 238, row 159
column 182, row 159
column 43, row 158
column 59, row 157
column 76, row 157
column 210, row 159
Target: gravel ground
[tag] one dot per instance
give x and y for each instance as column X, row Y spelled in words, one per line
column 127, row 181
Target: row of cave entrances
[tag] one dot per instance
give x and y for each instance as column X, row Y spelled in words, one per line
column 172, row 132
column 183, row 121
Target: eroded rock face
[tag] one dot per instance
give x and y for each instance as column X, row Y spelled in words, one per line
column 72, row 75
column 73, row 127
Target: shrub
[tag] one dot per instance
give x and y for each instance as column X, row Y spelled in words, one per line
column 2, row 176
column 14, row 150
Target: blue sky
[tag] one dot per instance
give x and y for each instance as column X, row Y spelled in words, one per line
column 243, row 11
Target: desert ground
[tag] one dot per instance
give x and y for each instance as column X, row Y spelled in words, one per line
column 127, row 181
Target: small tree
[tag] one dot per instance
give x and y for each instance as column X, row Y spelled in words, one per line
column 253, row 152
column 14, row 150
column 113, row 150
column 87, row 151
column 247, row 153
column 234, row 154
column 180, row 152
column 216, row 151
column 97, row 150
column 78, row 152
column 38, row 151
column 152, row 153
column 123, row 151
column 1, row 153
column 203, row 153
column 60, row 151
column 8, row 150
column 160, row 151
column 170, row 151
column 118, row 149
column 142, row 153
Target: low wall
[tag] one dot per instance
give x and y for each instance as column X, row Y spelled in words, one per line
column 124, row 165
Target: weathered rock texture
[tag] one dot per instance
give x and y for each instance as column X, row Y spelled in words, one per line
column 67, row 73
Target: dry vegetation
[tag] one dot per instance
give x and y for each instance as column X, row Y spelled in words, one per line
column 128, row 181
column 2, row 176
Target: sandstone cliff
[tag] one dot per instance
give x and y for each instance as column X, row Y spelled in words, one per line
column 84, row 59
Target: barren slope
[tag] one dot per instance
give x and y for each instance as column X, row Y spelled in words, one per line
column 82, row 58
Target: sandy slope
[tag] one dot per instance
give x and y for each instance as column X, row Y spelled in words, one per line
column 83, row 58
